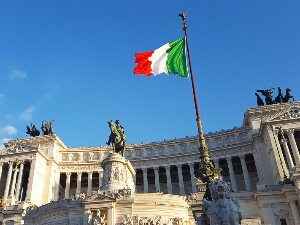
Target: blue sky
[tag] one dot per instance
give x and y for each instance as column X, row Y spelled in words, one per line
column 72, row 61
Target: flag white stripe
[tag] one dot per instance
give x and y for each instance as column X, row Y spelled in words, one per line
column 159, row 60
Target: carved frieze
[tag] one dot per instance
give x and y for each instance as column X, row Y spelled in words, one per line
column 87, row 167
column 293, row 113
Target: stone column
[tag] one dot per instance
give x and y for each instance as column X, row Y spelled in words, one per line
column 157, row 185
column 90, row 179
column 110, row 216
column 192, row 172
column 145, row 180
column 217, row 165
column 30, row 187
column 169, row 181
column 78, row 189
column 57, row 180
column 231, row 173
column 180, row 178
column 278, row 173
column 13, row 185
column 288, row 154
column 1, row 167
column 67, row 190
column 19, row 180
column 245, row 173
column 280, row 153
column 100, row 178
column 259, row 171
column 293, row 144
column 134, row 181
column 295, row 212
column 8, row 179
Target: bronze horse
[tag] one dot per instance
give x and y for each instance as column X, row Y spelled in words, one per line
column 117, row 138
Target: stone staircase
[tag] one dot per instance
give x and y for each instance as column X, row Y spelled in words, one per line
column 196, row 206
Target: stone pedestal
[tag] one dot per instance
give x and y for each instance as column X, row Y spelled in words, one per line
column 118, row 173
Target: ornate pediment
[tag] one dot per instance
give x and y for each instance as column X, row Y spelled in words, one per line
column 269, row 112
column 293, row 113
column 16, row 148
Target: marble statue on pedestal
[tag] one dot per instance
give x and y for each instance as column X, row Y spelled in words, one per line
column 223, row 209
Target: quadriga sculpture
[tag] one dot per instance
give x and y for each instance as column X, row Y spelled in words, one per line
column 223, row 210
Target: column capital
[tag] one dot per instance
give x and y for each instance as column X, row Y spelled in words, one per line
column 191, row 164
column 283, row 140
column 168, row 167
column 90, row 172
column 10, row 163
column 215, row 160
column 276, row 131
column 145, row 170
column 68, row 173
column 228, row 158
column 21, row 162
column 79, row 173
column 156, row 169
column 179, row 166
column 242, row 157
column 289, row 131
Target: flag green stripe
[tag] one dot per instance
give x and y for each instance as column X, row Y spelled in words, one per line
column 176, row 62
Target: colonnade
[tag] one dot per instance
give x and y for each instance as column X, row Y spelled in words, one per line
column 13, row 179
column 168, row 176
column 289, row 147
column 232, row 174
column 191, row 165
column 78, row 186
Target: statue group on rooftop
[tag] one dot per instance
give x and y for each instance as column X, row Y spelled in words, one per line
column 280, row 98
column 47, row 129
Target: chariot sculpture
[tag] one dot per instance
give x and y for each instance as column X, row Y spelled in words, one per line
column 280, row 98
column 32, row 131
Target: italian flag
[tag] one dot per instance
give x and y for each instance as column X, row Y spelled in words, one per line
column 169, row 58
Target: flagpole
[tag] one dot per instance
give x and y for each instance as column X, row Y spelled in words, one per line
column 203, row 147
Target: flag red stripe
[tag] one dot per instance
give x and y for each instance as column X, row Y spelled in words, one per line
column 144, row 65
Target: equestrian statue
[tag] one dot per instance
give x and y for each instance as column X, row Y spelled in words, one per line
column 117, row 137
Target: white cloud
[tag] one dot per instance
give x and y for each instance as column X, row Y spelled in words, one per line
column 3, row 140
column 17, row 74
column 27, row 114
column 8, row 130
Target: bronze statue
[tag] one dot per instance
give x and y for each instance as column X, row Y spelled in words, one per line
column 47, row 128
column 207, row 174
column 117, row 137
column 33, row 131
column 287, row 95
column 268, row 94
column 260, row 102
column 279, row 97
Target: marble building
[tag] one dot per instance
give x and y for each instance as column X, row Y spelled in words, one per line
column 260, row 159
